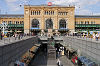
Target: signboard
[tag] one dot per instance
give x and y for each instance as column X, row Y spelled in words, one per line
column 35, row 28
column 49, row 30
column 49, row 4
column 51, row 53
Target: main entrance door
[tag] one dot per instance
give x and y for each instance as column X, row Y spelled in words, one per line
column 49, row 24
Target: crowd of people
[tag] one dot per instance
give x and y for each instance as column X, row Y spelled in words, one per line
column 95, row 36
column 15, row 35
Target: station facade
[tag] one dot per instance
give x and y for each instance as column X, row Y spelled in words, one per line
column 44, row 17
column 41, row 18
column 15, row 22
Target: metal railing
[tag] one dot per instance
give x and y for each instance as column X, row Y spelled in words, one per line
column 13, row 51
column 88, row 47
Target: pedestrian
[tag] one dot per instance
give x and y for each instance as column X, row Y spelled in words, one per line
column 19, row 36
column 58, row 54
column 58, row 62
column 15, row 36
column 1, row 35
column 97, row 37
column 94, row 36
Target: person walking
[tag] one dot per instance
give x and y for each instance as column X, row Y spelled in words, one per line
column 97, row 37
column 58, row 62
column 15, row 36
column 1, row 36
column 19, row 36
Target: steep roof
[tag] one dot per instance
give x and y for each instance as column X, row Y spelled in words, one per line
column 11, row 16
column 87, row 16
column 45, row 5
column 22, row 16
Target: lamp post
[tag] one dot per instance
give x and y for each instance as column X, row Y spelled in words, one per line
column 3, row 27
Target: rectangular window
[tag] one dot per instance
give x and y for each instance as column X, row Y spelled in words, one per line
column 86, row 22
column 91, row 22
column 21, row 22
column 94, row 22
column 81, row 22
column 31, row 12
column 76, row 22
column 9, row 22
column 14, row 22
column 45, row 12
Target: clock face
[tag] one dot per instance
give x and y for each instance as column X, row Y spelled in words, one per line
column 71, row 12
column 26, row 12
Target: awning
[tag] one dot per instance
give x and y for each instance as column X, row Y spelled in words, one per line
column 70, row 49
column 82, row 58
column 75, row 32
column 18, row 31
column 35, row 28
column 86, row 61
column 8, row 31
column 63, row 30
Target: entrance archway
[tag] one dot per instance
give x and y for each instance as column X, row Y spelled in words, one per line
column 63, row 27
column 49, row 24
column 35, row 27
column 35, row 23
column 62, row 24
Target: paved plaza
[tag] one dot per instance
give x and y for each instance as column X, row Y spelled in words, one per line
column 65, row 61
column 11, row 40
column 41, row 60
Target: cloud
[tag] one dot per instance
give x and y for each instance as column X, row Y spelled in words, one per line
column 79, row 4
column 14, row 5
column 11, row 1
column 84, row 12
column 74, row 2
column 96, row 13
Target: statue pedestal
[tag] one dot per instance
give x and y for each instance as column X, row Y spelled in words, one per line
column 50, row 33
column 56, row 31
column 42, row 33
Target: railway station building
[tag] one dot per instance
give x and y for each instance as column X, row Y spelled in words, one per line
column 41, row 18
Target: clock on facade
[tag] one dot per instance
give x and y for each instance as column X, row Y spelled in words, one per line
column 26, row 12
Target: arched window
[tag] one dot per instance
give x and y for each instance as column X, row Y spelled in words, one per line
column 49, row 24
column 35, row 12
column 35, row 23
column 62, row 24
column 39, row 12
column 47, row 13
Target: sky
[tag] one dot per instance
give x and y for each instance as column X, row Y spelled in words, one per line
column 82, row 7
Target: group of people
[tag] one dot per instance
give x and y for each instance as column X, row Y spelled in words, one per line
column 96, row 36
column 15, row 35
column 1, row 36
column 20, row 35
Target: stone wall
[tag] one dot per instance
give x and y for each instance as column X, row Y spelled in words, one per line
column 87, row 47
column 11, row 52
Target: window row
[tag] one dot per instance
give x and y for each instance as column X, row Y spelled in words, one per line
column 49, row 24
column 49, row 13
column 86, row 22
column 13, row 22
column 62, row 13
column 35, row 12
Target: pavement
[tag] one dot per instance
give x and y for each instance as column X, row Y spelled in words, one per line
column 65, row 61
column 11, row 40
column 39, row 60
column 85, row 38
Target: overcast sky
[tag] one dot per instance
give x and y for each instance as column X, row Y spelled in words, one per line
column 83, row 7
